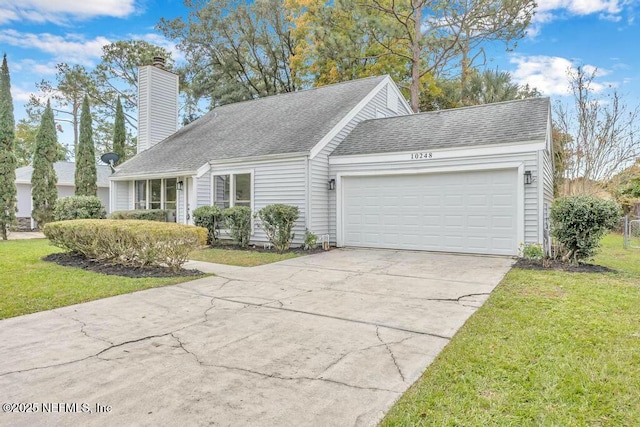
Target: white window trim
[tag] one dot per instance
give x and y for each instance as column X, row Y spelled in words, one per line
column 163, row 188
column 232, row 185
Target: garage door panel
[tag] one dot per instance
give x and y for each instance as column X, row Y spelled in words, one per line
column 473, row 212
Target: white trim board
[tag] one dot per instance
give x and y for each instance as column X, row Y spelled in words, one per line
column 438, row 154
column 347, row 119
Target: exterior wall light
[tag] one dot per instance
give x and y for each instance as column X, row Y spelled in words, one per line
column 528, row 177
column 180, row 185
column 331, row 185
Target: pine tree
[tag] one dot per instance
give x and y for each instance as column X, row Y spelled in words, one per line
column 86, row 174
column 43, row 180
column 7, row 156
column 119, row 133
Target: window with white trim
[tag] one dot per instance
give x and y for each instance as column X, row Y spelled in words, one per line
column 156, row 194
column 232, row 190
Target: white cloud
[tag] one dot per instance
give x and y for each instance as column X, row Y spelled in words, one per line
column 20, row 95
column 34, row 67
column 548, row 74
column 550, row 10
column 60, row 11
column 72, row 48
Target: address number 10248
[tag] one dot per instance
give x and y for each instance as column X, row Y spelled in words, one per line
column 418, row 156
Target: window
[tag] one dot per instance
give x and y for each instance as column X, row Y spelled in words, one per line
column 156, row 194
column 141, row 195
column 236, row 185
column 221, row 190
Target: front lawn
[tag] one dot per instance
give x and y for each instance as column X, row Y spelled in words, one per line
column 241, row 258
column 28, row 284
column 548, row 348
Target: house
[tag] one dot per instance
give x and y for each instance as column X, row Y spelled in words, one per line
column 65, row 171
column 359, row 165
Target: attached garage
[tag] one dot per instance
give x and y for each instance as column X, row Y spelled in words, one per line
column 467, row 212
column 470, row 180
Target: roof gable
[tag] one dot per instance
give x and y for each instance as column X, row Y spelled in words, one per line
column 499, row 123
column 279, row 124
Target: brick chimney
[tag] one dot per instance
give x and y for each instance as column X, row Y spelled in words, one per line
column 157, row 104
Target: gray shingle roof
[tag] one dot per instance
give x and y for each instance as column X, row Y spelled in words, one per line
column 286, row 123
column 66, row 174
column 499, row 123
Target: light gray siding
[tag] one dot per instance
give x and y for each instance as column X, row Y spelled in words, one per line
column 122, row 195
column 277, row 181
column 157, row 105
column 203, row 190
column 548, row 176
column 319, row 165
column 24, row 200
column 530, row 160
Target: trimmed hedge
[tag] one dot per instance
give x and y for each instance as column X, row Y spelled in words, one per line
column 277, row 222
column 142, row 214
column 238, row 221
column 79, row 207
column 208, row 217
column 128, row 242
column 579, row 222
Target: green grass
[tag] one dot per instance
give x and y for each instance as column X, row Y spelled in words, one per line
column 239, row 257
column 548, row 348
column 28, row 284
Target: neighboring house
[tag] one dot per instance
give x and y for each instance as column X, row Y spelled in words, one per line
column 65, row 172
column 360, row 167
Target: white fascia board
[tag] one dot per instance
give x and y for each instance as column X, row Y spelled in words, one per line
column 438, row 154
column 152, row 175
column 203, row 170
column 346, row 119
column 258, row 159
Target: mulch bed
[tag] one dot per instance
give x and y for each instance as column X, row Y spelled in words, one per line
column 260, row 248
column 529, row 264
column 79, row 261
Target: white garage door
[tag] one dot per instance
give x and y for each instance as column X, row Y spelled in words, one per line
column 470, row 212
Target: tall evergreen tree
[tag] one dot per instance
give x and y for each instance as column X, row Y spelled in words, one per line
column 119, row 133
column 86, row 175
column 7, row 156
column 43, row 180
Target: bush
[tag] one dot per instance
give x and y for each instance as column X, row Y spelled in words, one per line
column 128, row 242
column 579, row 222
column 79, row 207
column 238, row 221
column 310, row 241
column 160, row 215
column 277, row 222
column 208, row 217
column 532, row 251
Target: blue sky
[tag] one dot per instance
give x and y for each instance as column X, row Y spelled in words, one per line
column 37, row 34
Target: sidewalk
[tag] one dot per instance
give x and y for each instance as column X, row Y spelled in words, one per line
column 22, row 235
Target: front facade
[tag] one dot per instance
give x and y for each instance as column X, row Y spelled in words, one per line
column 339, row 154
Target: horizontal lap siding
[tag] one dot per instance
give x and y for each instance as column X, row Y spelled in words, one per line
column 548, row 176
column 278, row 181
column 203, row 189
column 122, row 198
column 319, row 165
column 531, row 191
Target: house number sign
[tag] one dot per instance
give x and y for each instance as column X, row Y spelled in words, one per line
column 421, row 156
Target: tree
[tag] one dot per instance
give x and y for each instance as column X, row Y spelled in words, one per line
column 236, row 49
column 601, row 132
column 26, row 133
column 8, row 189
column 86, row 175
column 43, row 180
column 72, row 84
column 119, row 134
column 492, row 86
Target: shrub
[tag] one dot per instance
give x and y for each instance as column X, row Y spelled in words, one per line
column 277, row 222
column 310, row 241
column 160, row 215
column 579, row 222
column 128, row 242
column 531, row 251
column 79, row 207
column 238, row 221
column 208, row 217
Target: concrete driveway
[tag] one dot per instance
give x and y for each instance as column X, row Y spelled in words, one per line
column 328, row 339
